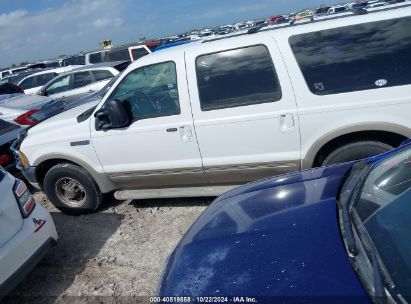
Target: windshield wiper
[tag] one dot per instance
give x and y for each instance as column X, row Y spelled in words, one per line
column 381, row 277
column 359, row 172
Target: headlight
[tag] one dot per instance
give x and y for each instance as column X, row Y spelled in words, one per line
column 24, row 160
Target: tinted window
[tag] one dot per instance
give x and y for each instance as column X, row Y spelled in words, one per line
column 81, row 79
column 151, row 91
column 353, row 58
column 95, row 58
column 101, row 75
column 52, row 64
column 76, row 60
column 138, row 53
column 235, row 78
column 61, row 84
column 44, row 78
column 28, row 83
column 118, row 55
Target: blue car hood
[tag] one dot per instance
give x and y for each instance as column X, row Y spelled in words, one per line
column 276, row 237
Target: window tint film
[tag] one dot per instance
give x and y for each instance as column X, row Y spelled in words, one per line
column 236, row 78
column 61, row 84
column 95, row 57
column 117, row 55
column 151, row 91
column 81, row 79
column 44, row 78
column 76, row 60
column 138, row 53
column 101, row 75
column 354, row 58
column 27, row 83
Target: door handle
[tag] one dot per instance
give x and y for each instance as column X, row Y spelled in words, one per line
column 286, row 122
column 172, row 130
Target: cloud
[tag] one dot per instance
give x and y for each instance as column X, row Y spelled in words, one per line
column 10, row 18
column 78, row 25
column 104, row 22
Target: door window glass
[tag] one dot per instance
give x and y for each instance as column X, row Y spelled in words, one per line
column 151, row 91
column 44, row 78
column 239, row 77
column 28, row 83
column 61, row 84
column 101, row 75
column 81, row 79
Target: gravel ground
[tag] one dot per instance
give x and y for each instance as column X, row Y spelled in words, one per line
column 117, row 253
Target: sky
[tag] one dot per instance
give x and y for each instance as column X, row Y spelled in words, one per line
column 43, row 29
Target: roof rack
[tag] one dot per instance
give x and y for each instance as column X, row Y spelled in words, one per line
column 254, row 30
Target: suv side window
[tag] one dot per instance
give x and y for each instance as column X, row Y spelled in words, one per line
column 59, row 85
column 138, row 53
column 42, row 79
column 82, row 79
column 151, row 91
column 101, row 75
column 354, row 58
column 238, row 77
column 28, row 83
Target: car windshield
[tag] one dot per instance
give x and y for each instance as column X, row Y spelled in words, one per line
column 384, row 207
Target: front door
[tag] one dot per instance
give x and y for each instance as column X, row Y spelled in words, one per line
column 159, row 149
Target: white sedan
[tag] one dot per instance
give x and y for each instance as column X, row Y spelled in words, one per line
column 27, row 232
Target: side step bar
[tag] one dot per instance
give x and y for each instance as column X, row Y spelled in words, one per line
column 172, row 192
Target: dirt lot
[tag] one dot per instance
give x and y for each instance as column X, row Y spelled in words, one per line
column 117, row 253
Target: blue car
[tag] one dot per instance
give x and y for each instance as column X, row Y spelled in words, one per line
column 337, row 234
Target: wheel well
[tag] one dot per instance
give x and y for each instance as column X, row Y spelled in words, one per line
column 390, row 138
column 45, row 166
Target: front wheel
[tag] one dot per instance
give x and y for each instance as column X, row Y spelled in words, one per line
column 355, row 151
column 71, row 189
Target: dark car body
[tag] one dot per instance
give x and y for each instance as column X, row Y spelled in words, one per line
column 8, row 134
column 277, row 239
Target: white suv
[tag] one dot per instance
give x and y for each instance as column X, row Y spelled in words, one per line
column 33, row 83
column 26, row 232
column 200, row 118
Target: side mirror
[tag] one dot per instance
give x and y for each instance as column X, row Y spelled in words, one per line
column 43, row 92
column 115, row 114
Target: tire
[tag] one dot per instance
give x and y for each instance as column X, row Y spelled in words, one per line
column 355, row 151
column 72, row 190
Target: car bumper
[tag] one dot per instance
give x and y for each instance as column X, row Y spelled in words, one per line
column 31, row 176
column 27, row 247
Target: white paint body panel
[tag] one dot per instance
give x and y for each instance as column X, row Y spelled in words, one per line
column 24, row 242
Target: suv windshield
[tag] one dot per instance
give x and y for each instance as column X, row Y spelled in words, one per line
column 384, row 207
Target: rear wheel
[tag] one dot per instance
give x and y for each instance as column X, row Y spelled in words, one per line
column 355, row 151
column 71, row 189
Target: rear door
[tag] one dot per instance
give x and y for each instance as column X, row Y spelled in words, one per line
column 245, row 114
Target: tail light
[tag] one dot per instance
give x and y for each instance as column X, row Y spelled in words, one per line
column 24, row 198
column 4, row 159
column 25, row 119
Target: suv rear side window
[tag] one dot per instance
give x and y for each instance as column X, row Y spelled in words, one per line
column 151, row 91
column 101, row 75
column 138, row 53
column 42, row 79
column 81, row 79
column 28, row 83
column 239, row 77
column 59, row 85
column 353, row 58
